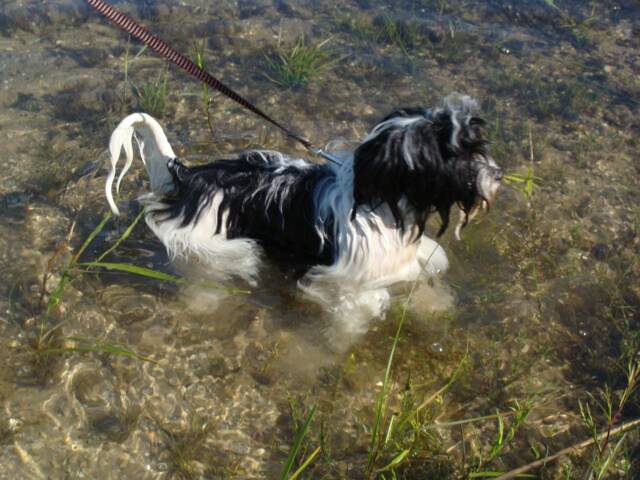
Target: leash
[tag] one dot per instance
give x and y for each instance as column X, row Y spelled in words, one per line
column 158, row 45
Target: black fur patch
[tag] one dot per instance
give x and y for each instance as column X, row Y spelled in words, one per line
column 438, row 175
column 265, row 199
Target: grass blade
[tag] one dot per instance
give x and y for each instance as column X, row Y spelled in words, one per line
column 383, row 398
column 136, row 270
column 165, row 277
column 297, row 444
column 485, row 474
column 123, row 237
column 56, row 296
column 94, row 346
column 91, row 236
column 305, row 464
column 397, row 460
column 490, row 474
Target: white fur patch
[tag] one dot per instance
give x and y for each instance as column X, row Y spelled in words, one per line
column 229, row 257
column 371, row 254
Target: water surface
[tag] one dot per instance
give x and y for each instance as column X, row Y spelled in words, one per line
column 542, row 292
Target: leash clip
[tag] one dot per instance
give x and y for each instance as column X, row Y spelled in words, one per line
column 326, row 155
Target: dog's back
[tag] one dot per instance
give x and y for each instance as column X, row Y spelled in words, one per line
column 263, row 195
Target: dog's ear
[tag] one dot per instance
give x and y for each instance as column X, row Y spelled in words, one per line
column 401, row 159
column 459, row 127
column 380, row 172
column 417, row 161
column 459, row 135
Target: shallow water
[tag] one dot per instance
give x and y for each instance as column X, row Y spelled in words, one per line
column 542, row 292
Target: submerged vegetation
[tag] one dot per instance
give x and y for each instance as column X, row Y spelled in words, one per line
column 295, row 67
column 152, row 95
column 205, row 95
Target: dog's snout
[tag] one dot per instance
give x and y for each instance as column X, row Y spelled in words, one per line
column 498, row 174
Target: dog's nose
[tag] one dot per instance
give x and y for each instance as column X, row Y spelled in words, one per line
column 498, row 174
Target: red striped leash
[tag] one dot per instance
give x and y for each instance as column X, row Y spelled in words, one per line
column 171, row 54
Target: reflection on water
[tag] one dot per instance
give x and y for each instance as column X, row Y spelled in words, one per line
column 541, row 301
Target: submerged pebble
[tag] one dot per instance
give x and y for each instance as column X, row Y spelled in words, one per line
column 128, row 305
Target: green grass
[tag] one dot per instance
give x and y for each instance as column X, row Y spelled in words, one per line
column 409, row 434
column 544, row 95
column 524, row 183
column 357, row 26
column 610, row 406
column 92, row 345
column 580, row 31
column 296, row 67
column 126, row 62
column 47, row 343
column 296, row 447
column 382, row 30
column 186, row 446
column 75, row 267
column 152, row 95
column 403, row 34
column 503, row 437
column 200, row 60
column 404, row 436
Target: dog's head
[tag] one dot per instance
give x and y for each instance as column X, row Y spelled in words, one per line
column 418, row 161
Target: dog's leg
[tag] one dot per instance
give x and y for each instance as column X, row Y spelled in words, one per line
column 432, row 256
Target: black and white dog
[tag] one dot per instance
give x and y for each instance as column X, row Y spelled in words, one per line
column 353, row 228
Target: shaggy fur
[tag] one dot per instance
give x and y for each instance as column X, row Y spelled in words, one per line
column 357, row 226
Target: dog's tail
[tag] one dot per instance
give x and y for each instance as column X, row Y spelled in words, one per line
column 154, row 148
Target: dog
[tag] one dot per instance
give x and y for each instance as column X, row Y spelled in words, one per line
column 349, row 229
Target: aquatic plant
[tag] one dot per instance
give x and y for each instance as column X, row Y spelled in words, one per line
column 579, row 30
column 379, row 442
column 125, row 84
column 381, row 29
column 296, row 67
column 75, row 266
column 611, row 407
column 519, row 413
column 200, row 61
column 296, row 447
column 358, row 26
column 48, row 341
column 126, row 62
column 152, row 95
column 408, row 433
column 603, row 449
column 403, row 34
column 92, row 345
column 411, row 441
column 185, row 446
column 525, row 183
column 442, row 5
